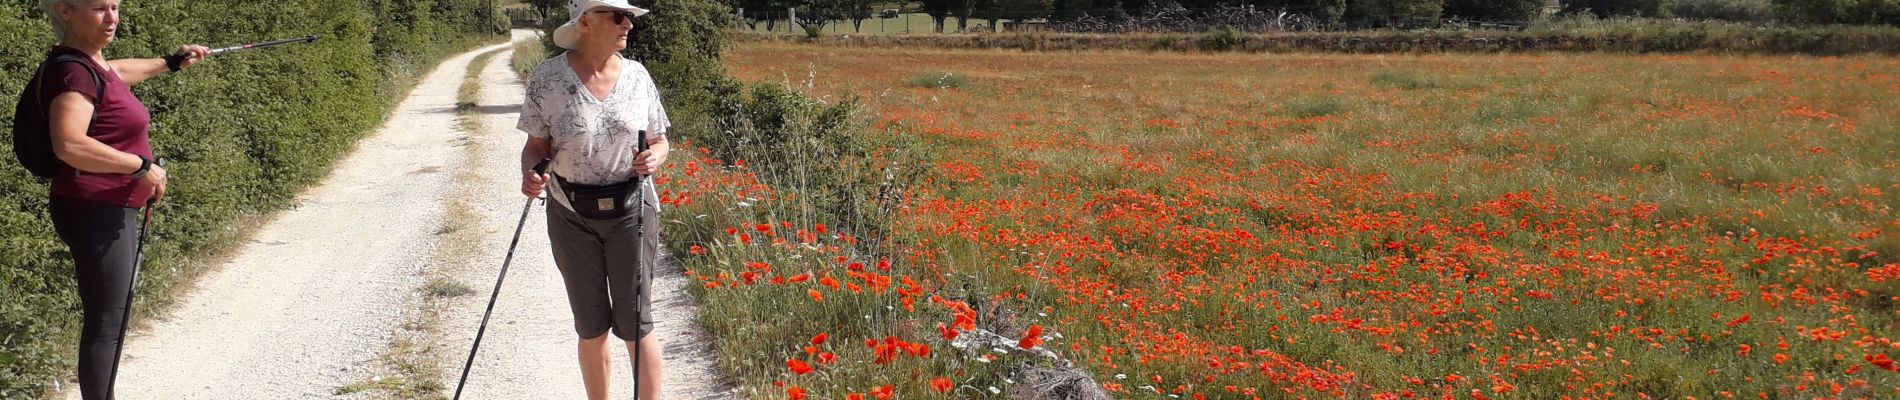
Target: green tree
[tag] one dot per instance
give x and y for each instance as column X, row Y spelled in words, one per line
column 756, row 11
column 1069, row 10
column 1726, row 10
column 1616, row 8
column 939, row 10
column 859, row 10
column 681, row 43
column 814, row 14
column 1014, row 10
column 966, row 9
column 1494, row 10
column 1839, row 11
column 1394, row 13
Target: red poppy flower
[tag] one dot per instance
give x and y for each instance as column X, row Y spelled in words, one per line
column 1032, row 338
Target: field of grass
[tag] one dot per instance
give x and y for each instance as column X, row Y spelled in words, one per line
column 1350, row 226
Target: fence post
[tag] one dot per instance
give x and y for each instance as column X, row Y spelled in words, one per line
column 792, row 18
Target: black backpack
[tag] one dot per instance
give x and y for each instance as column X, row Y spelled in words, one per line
column 32, row 136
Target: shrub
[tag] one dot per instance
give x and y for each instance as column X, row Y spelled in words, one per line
column 1223, row 39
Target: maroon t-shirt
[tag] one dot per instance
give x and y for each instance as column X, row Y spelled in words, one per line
column 119, row 120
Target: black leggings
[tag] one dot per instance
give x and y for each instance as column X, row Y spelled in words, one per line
column 104, row 242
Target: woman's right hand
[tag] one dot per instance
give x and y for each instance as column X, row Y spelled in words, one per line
column 155, row 178
column 532, row 183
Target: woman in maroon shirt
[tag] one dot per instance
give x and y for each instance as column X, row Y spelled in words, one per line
column 106, row 170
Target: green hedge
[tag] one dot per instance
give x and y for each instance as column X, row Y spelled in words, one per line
column 245, row 132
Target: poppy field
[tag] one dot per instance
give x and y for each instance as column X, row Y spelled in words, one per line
column 1241, row 226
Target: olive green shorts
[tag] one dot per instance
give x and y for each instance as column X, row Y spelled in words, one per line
column 607, row 266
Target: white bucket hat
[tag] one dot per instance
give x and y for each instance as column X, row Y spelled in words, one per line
column 569, row 34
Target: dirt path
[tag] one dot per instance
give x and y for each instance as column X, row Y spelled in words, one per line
column 310, row 304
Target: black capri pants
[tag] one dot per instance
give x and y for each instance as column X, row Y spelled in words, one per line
column 103, row 239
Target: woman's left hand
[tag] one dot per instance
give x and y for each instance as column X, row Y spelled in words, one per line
column 648, row 162
column 194, row 54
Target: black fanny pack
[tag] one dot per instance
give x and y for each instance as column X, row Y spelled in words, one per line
column 601, row 202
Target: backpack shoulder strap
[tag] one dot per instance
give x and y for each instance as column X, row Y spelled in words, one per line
column 98, row 83
column 99, row 88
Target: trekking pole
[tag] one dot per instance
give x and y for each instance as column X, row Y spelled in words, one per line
column 175, row 58
column 539, row 169
column 125, row 320
column 259, row 45
column 639, row 231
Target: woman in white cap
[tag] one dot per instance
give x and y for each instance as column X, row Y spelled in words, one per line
column 585, row 113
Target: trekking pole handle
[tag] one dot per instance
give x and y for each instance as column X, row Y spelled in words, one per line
column 642, row 146
column 541, row 170
column 159, row 162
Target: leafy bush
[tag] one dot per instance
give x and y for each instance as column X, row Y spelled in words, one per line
column 680, row 43
column 244, row 133
column 818, row 152
column 1222, row 39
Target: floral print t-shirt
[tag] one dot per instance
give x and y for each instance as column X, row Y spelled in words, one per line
column 594, row 140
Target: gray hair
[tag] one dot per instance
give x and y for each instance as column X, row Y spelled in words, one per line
column 51, row 7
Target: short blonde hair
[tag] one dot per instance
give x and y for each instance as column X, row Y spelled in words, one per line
column 51, row 7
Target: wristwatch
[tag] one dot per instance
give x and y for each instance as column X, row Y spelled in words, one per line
column 145, row 165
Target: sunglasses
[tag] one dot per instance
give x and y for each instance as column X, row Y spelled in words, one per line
column 620, row 17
